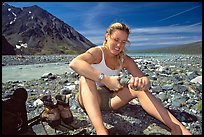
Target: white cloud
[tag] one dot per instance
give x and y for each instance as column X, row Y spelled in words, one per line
column 179, row 13
column 91, row 18
column 169, row 29
column 154, row 36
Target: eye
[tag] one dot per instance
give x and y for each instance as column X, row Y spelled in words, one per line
column 116, row 39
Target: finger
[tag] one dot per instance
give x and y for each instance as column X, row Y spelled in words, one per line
column 130, row 86
column 132, row 80
column 118, row 77
column 131, row 83
column 140, row 83
column 120, row 86
column 143, row 82
column 136, row 81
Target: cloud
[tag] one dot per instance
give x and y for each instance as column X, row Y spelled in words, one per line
column 179, row 13
column 170, row 29
column 154, row 36
column 166, row 35
column 91, row 17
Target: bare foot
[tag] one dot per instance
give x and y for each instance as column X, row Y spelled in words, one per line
column 102, row 132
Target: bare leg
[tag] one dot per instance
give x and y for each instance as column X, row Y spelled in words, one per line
column 156, row 109
column 89, row 98
column 152, row 106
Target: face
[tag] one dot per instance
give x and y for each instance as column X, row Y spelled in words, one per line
column 116, row 41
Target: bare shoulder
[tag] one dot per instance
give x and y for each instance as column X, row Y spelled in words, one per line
column 94, row 54
column 94, row 50
column 131, row 65
column 128, row 60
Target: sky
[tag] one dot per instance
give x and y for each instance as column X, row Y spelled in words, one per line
column 153, row 24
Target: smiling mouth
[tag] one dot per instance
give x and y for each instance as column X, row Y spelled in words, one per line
column 117, row 49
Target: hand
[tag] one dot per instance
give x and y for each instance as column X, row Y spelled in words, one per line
column 112, row 82
column 137, row 83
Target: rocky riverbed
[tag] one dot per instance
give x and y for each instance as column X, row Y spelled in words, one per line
column 176, row 82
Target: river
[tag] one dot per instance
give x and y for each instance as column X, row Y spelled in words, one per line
column 34, row 71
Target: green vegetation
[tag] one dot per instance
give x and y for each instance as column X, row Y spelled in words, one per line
column 192, row 48
column 64, row 49
column 199, row 106
column 58, row 49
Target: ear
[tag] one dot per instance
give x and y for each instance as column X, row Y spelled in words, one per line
column 106, row 36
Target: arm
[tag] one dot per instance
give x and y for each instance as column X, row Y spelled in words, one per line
column 82, row 65
column 139, row 80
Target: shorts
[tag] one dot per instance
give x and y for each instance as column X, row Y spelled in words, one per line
column 105, row 96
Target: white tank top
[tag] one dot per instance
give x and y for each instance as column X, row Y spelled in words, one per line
column 104, row 69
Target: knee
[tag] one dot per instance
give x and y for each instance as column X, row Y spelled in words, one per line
column 138, row 93
column 84, row 80
column 87, row 85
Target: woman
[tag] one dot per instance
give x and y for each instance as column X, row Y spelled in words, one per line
column 99, row 87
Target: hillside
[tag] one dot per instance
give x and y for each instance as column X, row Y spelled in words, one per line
column 7, row 48
column 42, row 32
column 191, row 48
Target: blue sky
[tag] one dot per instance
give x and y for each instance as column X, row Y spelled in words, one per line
column 153, row 24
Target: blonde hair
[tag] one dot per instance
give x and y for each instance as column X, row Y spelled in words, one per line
column 110, row 30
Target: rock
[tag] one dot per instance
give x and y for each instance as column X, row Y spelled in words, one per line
column 38, row 103
column 162, row 96
column 180, row 88
column 198, row 79
column 167, row 87
column 130, row 119
column 46, row 75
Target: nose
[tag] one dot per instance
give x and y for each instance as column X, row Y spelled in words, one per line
column 118, row 44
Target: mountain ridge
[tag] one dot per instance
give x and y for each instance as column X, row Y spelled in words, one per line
column 41, row 31
column 190, row 48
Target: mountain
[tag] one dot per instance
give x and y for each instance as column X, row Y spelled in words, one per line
column 191, row 48
column 41, row 31
column 7, row 48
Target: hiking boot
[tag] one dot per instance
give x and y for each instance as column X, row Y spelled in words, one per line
column 51, row 113
column 47, row 101
column 64, row 109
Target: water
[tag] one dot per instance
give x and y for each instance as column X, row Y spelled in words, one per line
column 154, row 54
column 34, row 71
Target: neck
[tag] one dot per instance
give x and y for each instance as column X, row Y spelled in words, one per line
column 109, row 53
